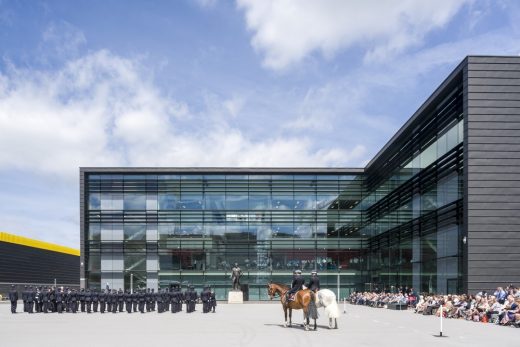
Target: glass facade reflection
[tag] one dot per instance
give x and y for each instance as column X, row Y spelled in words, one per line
column 190, row 227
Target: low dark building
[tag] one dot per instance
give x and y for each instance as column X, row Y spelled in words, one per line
column 25, row 261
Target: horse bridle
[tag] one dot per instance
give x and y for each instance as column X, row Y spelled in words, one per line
column 270, row 292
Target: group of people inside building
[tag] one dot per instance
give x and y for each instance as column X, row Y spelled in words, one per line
column 61, row 300
column 501, row 307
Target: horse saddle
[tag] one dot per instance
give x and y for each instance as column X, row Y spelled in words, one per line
column 291, row 296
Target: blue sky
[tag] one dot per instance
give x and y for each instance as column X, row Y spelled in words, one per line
column 214, row 83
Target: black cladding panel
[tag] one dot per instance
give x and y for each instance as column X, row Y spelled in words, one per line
column 22, row 264
column 492, row 171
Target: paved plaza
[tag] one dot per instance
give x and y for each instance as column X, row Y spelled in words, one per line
column 255, row 324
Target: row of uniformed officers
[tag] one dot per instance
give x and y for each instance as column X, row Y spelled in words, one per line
column 45, row 300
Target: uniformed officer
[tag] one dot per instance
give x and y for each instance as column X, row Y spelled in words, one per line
column 186, row 298
column 13, row 297
column 74, row 301
column 102, row 301
column 66, row 300
column 142, row 300
column 52, row 299
column 45, row 300
column 37, row 299
column 59, row 300
column 297, row 284
column 95, row 300
column 176, row 298
column 30, row 299
column 205, row 297
column 115, row 301
column 213, row 299
column 88, row 300
column 121, row 300
column 153, row 299
column 24, row 298
column 128, row 301
column 148, row 300
column 194, row 297
column 159, row 300
column 166, row 299
column 135, row 300
column 81, row 298
column 314, row 282
column 191, row 298
column 109, row 300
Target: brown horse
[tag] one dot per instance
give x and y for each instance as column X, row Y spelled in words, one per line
column 303, row 300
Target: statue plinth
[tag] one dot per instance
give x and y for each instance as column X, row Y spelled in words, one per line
column 235, row 297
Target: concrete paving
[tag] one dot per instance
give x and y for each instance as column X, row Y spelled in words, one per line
column 248, row 324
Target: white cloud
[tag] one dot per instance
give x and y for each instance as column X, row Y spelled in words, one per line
column 287, row 31
column 100, row 110
column 62, row 39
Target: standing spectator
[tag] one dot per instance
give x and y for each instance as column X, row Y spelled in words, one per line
column 13, row 297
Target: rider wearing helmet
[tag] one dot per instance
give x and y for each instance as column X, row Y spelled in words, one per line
column 314, row 282
column 297, row 284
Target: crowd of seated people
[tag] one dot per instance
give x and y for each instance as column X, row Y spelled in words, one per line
column 403, row 296
column 501, row 307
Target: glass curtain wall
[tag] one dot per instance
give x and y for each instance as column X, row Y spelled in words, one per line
column 413, row 207
column 150, row 230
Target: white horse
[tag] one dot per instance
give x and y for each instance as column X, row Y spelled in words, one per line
column 327, row 299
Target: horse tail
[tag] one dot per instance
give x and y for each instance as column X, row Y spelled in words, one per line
column 313, row 310
column 332, row 310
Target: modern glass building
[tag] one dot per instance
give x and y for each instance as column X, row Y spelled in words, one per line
column 436, row 208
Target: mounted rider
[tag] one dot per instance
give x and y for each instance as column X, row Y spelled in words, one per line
column 314, row 282
column 297, row 284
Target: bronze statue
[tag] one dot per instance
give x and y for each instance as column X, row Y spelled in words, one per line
column 236, row 273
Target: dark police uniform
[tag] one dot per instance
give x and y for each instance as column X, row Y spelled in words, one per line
column 52, row 299
column 13, row 297
column 186, row 298
column 66, row 300
column 74, row 301
column 153, row 300
column 159, row 298
column 24, row 298
column 176, row 300
column 205, row 297
column 102, row 301
column 213, row 300
column 142, row 301
column 45, row 300
column 297, row 284
column 121, row 300
column 59, row 301
column 38, row 300
column 95, row 300
column 128, row 301
column 115, row 299
column 135, row 300
column 109, row 300
column 88, row 300
column 314, row 283
column 30, row 300
column 81, row 298
column 148, row 300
